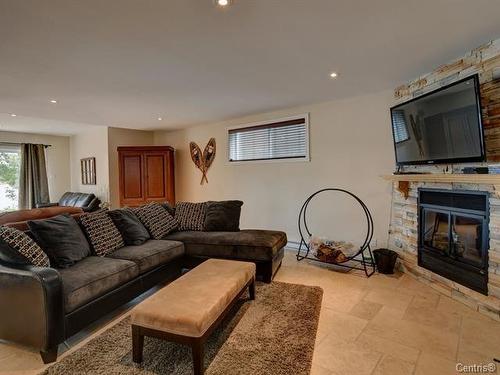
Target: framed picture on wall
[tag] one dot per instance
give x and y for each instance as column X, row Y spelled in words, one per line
column 88, row 171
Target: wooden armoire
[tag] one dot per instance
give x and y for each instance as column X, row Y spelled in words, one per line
column 146, row 174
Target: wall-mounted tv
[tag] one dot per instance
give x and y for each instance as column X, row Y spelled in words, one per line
column 443, row 126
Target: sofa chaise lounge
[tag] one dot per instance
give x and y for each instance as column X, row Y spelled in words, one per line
column 58, row 303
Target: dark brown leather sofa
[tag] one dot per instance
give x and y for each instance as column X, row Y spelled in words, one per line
column 87, row 202
column 19, row 218
column 58, row 303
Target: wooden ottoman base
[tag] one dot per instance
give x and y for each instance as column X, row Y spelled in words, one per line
column 196, row 343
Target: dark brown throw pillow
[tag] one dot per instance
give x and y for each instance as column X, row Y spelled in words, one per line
column 130, row 227
column 170, row 209
column 191, row 216
column 102, row 233
column 61, row 238
column 156, row 219
column 22, row 248
column 223, row 216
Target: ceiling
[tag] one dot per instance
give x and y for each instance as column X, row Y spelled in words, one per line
column 127, row 62
column 37, row 125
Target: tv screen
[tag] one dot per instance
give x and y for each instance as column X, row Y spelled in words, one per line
column 443, row 126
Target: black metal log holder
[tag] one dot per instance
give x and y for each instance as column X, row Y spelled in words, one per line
column 366, row 262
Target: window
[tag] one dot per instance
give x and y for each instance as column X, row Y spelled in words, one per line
column 399, row 127
column 10, row 161
column 273, row 140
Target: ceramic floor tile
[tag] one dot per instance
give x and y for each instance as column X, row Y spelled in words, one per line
column 425, row 300
column 342, row 300
column 411, row 285
column 366, row 309
column 474, row 358
column 389, row 365
column 450, row 306
column 367, row 326
column 433, row 318
column 390, row 298
column 346, row 358
column 341, row 327
column 480, row 336
column 318, row 370
column 419, row 336
column 394, row 349
column 385, row 281
column 429, row 364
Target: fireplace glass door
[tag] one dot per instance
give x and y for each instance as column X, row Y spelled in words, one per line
column 467, row 237
column 436, row 235
column 453, row 235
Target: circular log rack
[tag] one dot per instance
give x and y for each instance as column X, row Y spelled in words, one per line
column 363, row 258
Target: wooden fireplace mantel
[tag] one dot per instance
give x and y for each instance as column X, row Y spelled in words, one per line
column 405, row 179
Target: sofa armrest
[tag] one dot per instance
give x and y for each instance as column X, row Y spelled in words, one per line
column 93, row 205
column 43, row 205
column 31, row 303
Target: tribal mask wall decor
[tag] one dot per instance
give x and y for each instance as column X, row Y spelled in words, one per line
column 204, row 160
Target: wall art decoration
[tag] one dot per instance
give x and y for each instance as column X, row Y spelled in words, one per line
column 88, row 171
column 203, row 160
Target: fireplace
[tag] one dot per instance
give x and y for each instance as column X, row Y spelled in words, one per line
column 453, row 235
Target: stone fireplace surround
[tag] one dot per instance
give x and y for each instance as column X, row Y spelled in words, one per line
column 403, row 231
column 403, row 238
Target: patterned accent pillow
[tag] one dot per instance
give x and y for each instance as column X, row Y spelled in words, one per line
column 156, row 219
column 191, row 216
column 101, row 232
column 24, row 245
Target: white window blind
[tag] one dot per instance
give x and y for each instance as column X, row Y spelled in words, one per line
column 10, row 147
column 399, row 127
column 287, row 139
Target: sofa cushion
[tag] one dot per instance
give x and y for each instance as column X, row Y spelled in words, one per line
column 92, row 277
column 246, row 244
column 17, row 245
column 101, row 232
column 191, row 216
column 151, row 254
column 156, row 219
column 130, row 227
column 61, row 238
column 223, row 216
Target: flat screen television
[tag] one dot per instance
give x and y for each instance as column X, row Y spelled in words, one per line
column 443, row 126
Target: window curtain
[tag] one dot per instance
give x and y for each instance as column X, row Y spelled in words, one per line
column 33, row 184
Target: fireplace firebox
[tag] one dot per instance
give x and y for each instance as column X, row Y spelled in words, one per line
column 453, row 236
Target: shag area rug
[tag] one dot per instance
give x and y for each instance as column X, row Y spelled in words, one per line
column 274, row 334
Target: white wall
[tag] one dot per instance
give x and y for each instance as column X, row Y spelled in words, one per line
column 91, row 141
column 351, row 146
column 58, row 159
column 122, row 137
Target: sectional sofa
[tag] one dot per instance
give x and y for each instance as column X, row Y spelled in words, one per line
column 41, row 307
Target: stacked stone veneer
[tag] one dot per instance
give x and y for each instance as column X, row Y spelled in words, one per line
column 403, row 231
column 403, row 238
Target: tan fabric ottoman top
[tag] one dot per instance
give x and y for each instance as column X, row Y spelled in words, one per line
column 192, row 303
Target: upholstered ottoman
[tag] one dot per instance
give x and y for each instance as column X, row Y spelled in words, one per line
column 189, row 309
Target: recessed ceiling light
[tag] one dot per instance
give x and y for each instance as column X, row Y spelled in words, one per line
column 53, row 101
column 13, row 115
column 159, row 119
column 223, row 3
column 333, row 75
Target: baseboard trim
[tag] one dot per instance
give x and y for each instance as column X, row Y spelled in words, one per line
column 292, row 245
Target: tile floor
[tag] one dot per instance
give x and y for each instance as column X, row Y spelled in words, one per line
column 381, row 325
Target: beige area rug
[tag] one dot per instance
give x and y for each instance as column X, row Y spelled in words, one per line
column 274, row 334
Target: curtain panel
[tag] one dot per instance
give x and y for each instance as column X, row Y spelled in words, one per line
column 33, row 183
